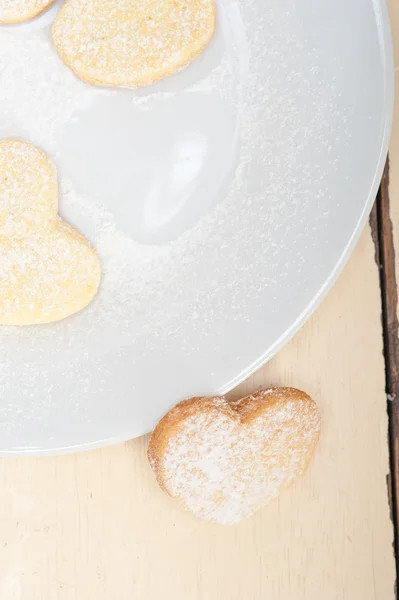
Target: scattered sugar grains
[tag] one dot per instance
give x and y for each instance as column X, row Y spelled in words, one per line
column 16, row 11
column 225, row 461
column 131, row 43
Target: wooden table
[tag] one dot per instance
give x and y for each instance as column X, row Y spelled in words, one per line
column 95, row 526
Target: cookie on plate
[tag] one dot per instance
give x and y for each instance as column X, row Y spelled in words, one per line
column 131, row 43
column 48, row 269
column 17, row 11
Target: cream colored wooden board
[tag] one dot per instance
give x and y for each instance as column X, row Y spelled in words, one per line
column 96, row 527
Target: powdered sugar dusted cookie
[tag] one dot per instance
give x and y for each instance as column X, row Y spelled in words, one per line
column 224, row 461
column 132, row 43
column 16, row 11
column 48, row 270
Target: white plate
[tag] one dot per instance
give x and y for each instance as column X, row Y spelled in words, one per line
column 223, row 203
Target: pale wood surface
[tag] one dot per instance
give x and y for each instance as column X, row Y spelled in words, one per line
column 95, row 526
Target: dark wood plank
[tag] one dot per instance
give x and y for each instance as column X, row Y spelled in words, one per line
column 381, row 227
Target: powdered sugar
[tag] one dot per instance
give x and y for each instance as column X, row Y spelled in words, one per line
column 223, row 464
column 47, row 270
column 15, row 11
column 131, row 43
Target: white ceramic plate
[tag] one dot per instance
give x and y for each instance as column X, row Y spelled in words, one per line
column 223, row 202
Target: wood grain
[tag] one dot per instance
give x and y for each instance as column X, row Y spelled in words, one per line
column 95, row 526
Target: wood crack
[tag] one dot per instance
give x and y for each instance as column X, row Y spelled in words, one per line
column 382, row 233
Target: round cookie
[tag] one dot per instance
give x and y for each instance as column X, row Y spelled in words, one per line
column 17, row 11
column 224, row 461
column 48, row 269
column 132, row 43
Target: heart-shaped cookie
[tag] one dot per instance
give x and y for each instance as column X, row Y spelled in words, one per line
column 48, row 270
column 131, row 43
column 224, row 461
column 16, row 11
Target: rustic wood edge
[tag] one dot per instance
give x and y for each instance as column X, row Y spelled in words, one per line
column 382, row 233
